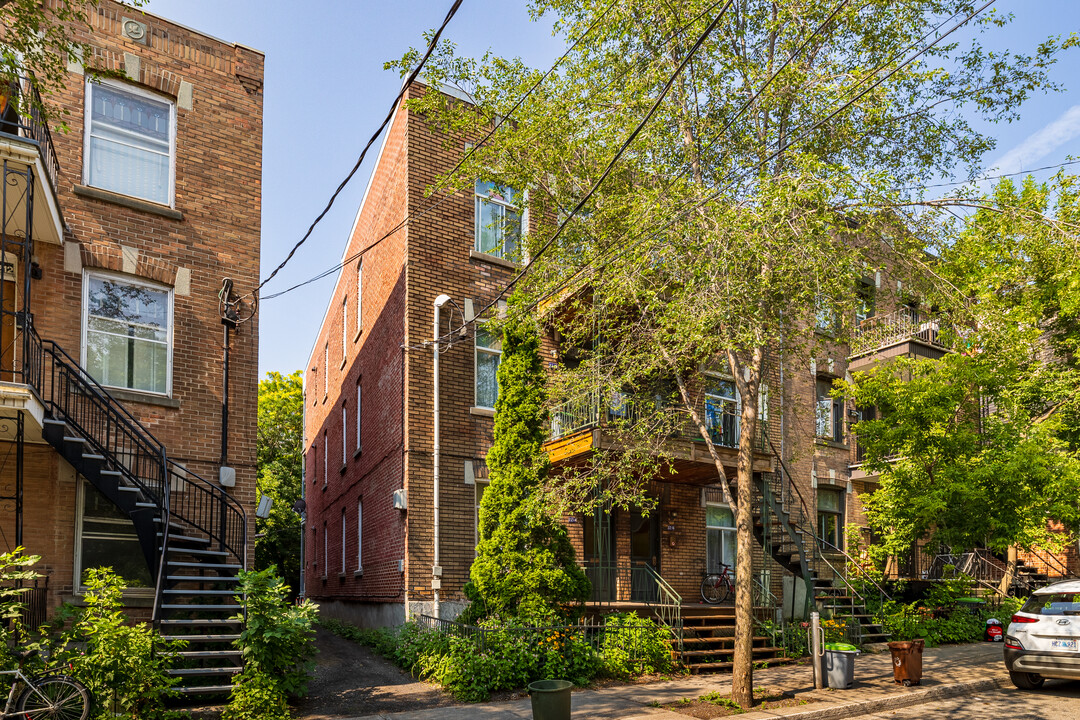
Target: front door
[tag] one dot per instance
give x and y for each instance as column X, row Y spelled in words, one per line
column 644, row 550
column 7, row 330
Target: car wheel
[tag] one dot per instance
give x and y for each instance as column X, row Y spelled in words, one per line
column 1026, row 681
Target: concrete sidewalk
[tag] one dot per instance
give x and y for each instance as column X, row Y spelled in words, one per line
column 947, row 672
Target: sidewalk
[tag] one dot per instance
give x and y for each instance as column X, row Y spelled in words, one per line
column 947, row 672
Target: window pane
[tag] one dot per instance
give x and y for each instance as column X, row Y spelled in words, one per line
column 829, row 500
column 108, row 539
column 107, row 358
column 128, row 303
column 129, row 144
column 487, row 386
column 151, row 366
column 489, row 216
column 717, row 516
column 487, row 339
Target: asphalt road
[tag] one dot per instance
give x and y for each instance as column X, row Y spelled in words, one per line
column 1058, row 699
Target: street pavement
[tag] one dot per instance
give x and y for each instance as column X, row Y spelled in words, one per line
column 1057, row 699
column 950, row 674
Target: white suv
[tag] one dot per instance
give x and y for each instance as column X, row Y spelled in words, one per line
column 1043, row 639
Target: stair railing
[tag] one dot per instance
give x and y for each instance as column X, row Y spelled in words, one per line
column 210, row 510
column 668, row 603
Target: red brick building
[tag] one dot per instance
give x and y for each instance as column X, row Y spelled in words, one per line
column 370, row 534
column 116, row 247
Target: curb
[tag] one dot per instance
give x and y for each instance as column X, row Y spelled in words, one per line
column 889, row 702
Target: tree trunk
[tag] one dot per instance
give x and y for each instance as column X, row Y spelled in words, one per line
column 742, row 677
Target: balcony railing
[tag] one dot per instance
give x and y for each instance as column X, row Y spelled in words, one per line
column 882, row 331
column 592, row 411
column 30, row 125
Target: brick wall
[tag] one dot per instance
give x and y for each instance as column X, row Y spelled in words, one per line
column 212, row 232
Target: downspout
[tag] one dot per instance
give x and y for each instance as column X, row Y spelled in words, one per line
column 436, row 570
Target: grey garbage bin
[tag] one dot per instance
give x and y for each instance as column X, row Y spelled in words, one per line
column 840, row 665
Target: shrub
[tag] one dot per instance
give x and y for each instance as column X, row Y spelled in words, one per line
column 14, row 569
column 120, row 664
column 277, row 638
column 633, row 646
column 256, row 696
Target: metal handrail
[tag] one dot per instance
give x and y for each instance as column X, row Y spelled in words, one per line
column 668, row 607
column 210, row 510
column 33, row 127
column 884, row 330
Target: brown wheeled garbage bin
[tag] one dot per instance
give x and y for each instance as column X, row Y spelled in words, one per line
column 907, row 661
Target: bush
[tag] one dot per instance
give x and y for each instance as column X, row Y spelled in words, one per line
column 278, row 637
column 256, row 696
column 627, row 651
column 123, row 665
column 14, row 569
column 959, row 625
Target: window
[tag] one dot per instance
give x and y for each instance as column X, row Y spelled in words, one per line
column 314, row 385
column 325, row 456
column 325, row 551
column 864, row 307
column 828, row 413
column 722, row 411
column 127, row 333
column 358, row 416
column 359, row 296
column 342, row 541
column 130, row 142
column 830, row 516
column 315, row 547
column 326, row 369
column 107, row 538
column 498, row 221
column 824, row 316
column 360, row 535
column 719, row 537
column 344, row 435
column 344, row 329
column 314, row 463
column 488, row 353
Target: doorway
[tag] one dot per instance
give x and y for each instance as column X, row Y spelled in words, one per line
column 644, row 551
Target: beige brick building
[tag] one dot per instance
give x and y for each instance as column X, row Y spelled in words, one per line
column 116, row 247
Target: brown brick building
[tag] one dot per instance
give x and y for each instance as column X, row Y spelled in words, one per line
column 370, row 534
column 115, row 250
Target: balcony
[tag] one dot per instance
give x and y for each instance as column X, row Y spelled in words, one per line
column 31, row 171
column 593, row 423
column 905, row 332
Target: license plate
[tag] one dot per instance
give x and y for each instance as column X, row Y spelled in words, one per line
column 1063, row 644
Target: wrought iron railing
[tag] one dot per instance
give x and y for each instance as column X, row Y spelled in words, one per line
column 208, row 509
column 882, row 331
column 30, row 125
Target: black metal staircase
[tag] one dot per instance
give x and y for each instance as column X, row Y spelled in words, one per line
column 192, row 533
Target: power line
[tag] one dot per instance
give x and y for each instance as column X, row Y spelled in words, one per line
column 386, row 121
column 988, row 177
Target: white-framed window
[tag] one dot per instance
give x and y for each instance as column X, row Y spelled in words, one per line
column 326, row 369
column 315, row 547
column 828, row 412
column 325, row 551
column 325, row 456
column 344, row 435
column 359, row 296
column 722, row 410
column 830, row 514
column 127, row 332
column 719, row 537
column 314, row 463
column 498, row 220
column 360, row 535
column 488, row 354
column 824, row 316
column 129, row 145
column 106, row 537
column 359, row 415
column 342, row 541
column 344, row 328
column 314, row 385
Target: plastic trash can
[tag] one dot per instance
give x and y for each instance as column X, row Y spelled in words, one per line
column 550, row 699
column 839, row 665
column 907, row 661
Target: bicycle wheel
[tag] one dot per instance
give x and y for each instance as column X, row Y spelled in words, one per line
column 712, row 589
column 55, row 697
column 724, row 588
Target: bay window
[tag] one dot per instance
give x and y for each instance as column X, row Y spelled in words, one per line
column 498, row 220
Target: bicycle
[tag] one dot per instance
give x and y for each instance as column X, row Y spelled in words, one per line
column 716, row 587
column 50, row 696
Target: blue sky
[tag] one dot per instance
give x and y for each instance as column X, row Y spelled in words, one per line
column 326, row 91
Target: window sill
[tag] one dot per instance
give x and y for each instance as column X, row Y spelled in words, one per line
column 358, row 573
column 356, row 453
column 825, row 442
column 143, row 397
column 127, row 201
column 341, row 577
column 356, row 337
column 482, row 411
column 344, row 361
column 344, row 467
column 492, row 260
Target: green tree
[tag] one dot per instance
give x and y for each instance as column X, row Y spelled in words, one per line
column 981, row 447
column 38, row 39
column 524, row 563
column 279, row 456
column 769, row 178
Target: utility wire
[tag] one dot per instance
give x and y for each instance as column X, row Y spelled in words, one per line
column 386, row 121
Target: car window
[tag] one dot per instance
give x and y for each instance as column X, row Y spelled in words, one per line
column 1053, row 604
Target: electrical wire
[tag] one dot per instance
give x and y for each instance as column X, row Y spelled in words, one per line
column 386, row 121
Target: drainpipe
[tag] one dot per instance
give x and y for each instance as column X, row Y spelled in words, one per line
column 436, row 571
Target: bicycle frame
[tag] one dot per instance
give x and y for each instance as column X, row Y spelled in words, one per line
column 17, row 682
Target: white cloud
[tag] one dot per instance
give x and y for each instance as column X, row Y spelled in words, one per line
column 1040, row 144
